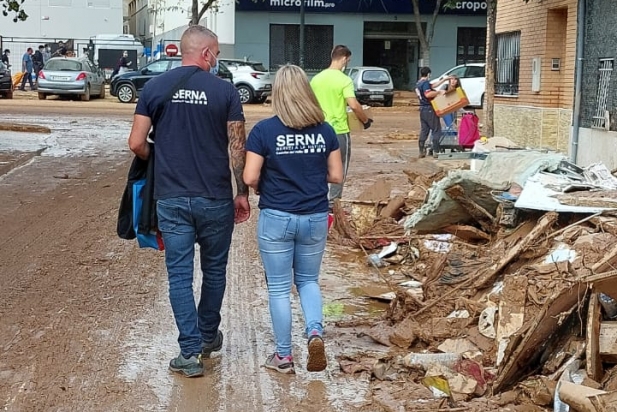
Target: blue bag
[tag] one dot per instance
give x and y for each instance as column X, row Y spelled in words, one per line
column 152, row 239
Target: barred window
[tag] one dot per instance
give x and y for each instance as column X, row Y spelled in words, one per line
column 285, row 45
column 508, row 62
column 605, row 70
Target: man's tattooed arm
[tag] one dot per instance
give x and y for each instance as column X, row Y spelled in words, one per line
column 237, row 142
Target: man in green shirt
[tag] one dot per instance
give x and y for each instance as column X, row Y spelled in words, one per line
column 335, row 91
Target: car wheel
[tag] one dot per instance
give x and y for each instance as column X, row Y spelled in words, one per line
column 86, row 96
column 482, row 102
column 388, row 102
column 246, row 94
column 9, row 95
column 102, row 94
column 42, row 96
column 126, row 93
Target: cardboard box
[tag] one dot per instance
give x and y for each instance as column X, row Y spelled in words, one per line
column 450, row 102
column 356, row 125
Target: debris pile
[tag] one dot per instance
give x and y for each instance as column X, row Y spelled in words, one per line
column 503, row 282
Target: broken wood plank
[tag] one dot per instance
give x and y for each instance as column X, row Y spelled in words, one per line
column 380, row 190
column 609, row 262
column 393, row 208
column 487, row 278
column 577, row 396
column 607, row 342
column 603, row 282
column 511, row 311
column 467, row 233
column 592, row 352
column 484, row 218
column 557, row 232
column 521, row 353
column 604, row 402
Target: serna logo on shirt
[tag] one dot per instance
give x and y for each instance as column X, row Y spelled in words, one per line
column 300, row 143
column 190, row 97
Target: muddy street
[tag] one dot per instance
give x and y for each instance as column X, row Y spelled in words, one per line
column 85, row 322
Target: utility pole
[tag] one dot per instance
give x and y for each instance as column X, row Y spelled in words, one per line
column 302, row 33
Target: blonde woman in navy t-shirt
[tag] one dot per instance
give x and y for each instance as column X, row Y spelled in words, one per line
column 290, row 160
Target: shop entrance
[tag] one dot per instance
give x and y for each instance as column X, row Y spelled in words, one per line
column 393, row 46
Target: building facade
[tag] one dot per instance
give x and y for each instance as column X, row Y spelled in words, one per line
column 160, row 22
column 379, row 32
column 71, row 21
column 597, row 135
column 534, row 78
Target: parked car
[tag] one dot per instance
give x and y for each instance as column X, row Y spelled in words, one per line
column 127, row 86
column 71, row 76
column 6, row 82
column 372, row 84
column 251, row 78
column 472, row 79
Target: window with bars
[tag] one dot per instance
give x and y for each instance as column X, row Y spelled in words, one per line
column 285, row 45
column 605, row 70
column 508, row 63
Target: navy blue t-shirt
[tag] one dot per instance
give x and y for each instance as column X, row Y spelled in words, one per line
column 191, row 142
column 294, row 176
column 424, row 86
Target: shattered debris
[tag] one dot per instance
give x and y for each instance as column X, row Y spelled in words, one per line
column 502, row 282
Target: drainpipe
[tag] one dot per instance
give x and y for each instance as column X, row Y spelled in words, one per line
column 578, row 82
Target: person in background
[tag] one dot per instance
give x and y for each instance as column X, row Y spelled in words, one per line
column 26, row 67
column 199, row 141
column 46, row 54
column 37, row 62
column 335, row 91
column 5, row 58
column 291, row 158
column 429, row 121
column 453, row 83
column 124, row 63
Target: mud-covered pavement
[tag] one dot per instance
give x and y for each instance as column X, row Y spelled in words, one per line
column 85, row 324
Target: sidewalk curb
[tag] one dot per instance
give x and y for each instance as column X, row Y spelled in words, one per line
column 21, row 127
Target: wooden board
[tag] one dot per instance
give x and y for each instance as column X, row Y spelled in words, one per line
column 511, row 309
column 524, row 346
column 605, row 402
column 608, row 342
column 592, row 352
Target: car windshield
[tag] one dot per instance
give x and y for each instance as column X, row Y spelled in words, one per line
column 63, row 65
column 375, row 77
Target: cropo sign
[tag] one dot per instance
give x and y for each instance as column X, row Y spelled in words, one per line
column 471, row 5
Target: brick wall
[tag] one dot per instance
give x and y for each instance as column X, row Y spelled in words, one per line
column 548, row 30
column 600, row 43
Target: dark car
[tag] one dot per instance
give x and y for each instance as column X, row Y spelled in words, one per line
column 6, row 82
column 127, row 86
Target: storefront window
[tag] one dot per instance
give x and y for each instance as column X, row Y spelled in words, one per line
column 285, row 45
column 471, row 42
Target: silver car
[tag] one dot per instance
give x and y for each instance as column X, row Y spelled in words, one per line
column 252, row 80
column 71, row 76
column 372, row 84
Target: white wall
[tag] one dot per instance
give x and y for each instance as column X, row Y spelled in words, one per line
column 65, row 19
column 597, row 146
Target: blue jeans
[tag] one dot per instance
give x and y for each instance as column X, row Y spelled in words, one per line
column 291, row 248
column 182, row 222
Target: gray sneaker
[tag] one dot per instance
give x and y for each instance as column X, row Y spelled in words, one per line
column 214, row 346
column 191, row 367
column 283, row 365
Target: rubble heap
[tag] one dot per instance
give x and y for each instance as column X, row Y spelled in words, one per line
column 510, row 274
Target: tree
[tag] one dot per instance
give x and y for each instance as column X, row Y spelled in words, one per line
column 15, row 8
column 197, row 12
column 426, row 37
column 489, row 69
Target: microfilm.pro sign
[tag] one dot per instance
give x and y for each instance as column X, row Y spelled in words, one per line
column 469, row 7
